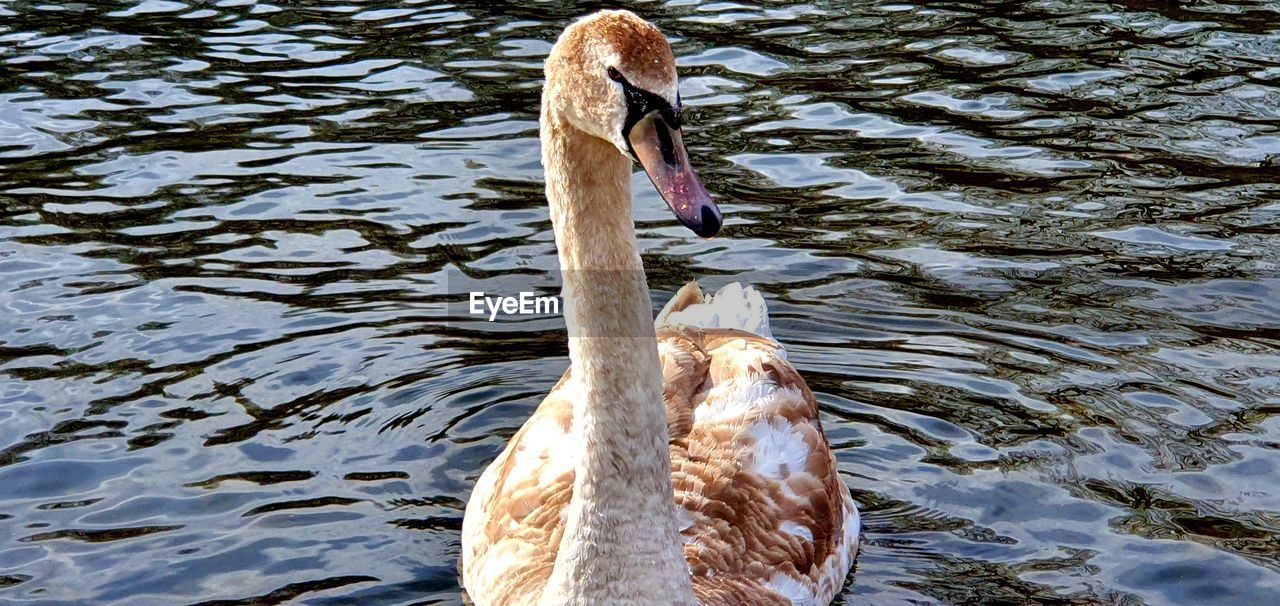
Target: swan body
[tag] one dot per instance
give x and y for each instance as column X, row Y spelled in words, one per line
column 678, row 461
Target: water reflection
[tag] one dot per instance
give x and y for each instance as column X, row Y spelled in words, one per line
column 1024, row 252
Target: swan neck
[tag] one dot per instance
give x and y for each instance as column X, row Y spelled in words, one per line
column 620, row 543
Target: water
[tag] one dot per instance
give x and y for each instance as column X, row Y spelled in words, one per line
column 1025, row 253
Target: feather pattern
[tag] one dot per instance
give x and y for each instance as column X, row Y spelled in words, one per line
column 764, row 516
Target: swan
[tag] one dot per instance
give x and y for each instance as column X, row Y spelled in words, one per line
column 678, row 461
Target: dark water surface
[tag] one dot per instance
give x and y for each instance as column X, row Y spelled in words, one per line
column 1025, row 253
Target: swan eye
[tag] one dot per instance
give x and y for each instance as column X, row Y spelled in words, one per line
column 614, row 74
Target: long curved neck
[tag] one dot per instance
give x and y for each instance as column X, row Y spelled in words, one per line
column 620, row 543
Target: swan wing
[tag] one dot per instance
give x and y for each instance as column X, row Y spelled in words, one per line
column 766, row 515
column 515, row 515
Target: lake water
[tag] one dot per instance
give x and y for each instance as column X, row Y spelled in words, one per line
column 1025, row 254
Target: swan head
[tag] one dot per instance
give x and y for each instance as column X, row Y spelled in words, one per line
column 612, row 75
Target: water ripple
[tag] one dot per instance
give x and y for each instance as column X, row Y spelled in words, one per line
column 1025, row 254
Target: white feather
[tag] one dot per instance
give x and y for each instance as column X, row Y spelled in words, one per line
column 796, row 529
column 790, row 588
column 733, row 306
column 735, row 400
column 779, row 449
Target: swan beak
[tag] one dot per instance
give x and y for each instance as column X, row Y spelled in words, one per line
column 660, row 150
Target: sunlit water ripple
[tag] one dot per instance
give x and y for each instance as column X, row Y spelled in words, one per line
column 1024, row 252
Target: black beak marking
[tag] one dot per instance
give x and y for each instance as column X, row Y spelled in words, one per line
column 640, row 103
column 665, row 143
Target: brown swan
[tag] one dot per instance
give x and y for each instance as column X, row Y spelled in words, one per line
column 679, row 461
